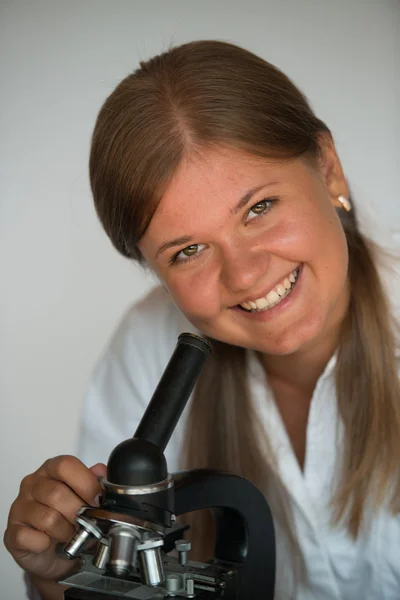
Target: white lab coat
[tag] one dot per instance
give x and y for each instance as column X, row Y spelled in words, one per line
column 337, row 568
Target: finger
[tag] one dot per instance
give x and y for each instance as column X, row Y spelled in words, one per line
column 100, row 470
column 75, row 474
column 43, row 518
column 58, row 496
column 20, row 539
column 26, row 485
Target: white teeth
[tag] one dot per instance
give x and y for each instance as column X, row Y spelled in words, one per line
column 272, row 297
column 262, row 303
column 281, row 290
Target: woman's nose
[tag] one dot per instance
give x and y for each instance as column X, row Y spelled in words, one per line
column 242, row 268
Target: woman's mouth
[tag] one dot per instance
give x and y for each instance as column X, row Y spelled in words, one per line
column 275, row 296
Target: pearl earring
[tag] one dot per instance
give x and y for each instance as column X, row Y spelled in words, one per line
column 345, row 202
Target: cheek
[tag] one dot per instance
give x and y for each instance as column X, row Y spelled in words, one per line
column 339, row 256
column 317, row 239
column 297, row 238
column 330, row 262
column 316, row 236
column 332, row 242
column 196, row 294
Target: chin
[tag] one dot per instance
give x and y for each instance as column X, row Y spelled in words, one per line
column 294, row 340
column 283, row 347
column 286, row 341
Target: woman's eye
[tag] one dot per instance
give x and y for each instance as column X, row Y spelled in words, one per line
column 260, row 208
column 190, row 250
column 187, row 254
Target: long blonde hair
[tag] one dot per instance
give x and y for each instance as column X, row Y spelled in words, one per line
column 209, row 93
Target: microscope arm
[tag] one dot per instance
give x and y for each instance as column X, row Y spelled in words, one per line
column 243, row 520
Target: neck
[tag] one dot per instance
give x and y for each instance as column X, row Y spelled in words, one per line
column 300, row 370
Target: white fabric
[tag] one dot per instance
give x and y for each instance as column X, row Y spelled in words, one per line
column 337, row 568
column 31, row 591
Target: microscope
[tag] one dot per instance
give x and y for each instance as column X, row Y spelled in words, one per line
column 132, row 546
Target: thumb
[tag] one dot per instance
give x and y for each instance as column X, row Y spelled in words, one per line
column 99, row 469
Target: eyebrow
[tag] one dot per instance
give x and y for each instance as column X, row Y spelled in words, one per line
column 185, row 239
column 248, row 195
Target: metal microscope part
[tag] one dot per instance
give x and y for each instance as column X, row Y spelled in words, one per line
column 190, row 588
column 173, row 584
column 100, row 560
column 209, row 581
column 183, row 547
column 151, row 564
column 90, row 579
column 87, row 529
column 104, row 519
column 205, row 576
column 124, row 542
column 76, row 544
column 129, row 490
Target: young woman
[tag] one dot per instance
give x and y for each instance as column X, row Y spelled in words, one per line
column 209, row 167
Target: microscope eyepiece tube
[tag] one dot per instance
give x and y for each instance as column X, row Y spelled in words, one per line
column 173, row 390
column 140, row 460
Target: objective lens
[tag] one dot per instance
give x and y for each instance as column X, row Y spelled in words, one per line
column 123, row 547
column 151, row 567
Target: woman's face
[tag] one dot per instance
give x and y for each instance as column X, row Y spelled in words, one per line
column 251, row 250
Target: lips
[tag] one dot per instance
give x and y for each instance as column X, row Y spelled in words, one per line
column 274, row 296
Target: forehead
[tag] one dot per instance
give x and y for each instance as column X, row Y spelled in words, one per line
column 202, row 195
column 216, row 174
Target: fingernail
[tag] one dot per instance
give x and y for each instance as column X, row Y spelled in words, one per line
column 97, row 500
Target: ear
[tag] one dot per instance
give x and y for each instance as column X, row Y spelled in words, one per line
column 331, row 170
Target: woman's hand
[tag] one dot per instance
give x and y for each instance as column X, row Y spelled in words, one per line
column 44, row 514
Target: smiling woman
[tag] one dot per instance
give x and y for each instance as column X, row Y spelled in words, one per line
column 209, row 166
column 238, row 256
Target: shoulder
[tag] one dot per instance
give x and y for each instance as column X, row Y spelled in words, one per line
column 143, row 341
column 155, row 309
column 149, row 329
